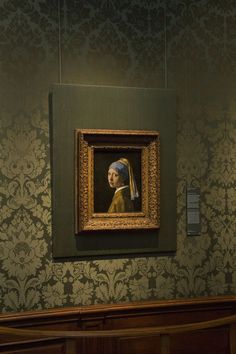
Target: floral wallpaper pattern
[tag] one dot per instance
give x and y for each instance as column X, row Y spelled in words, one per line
column 188, row 44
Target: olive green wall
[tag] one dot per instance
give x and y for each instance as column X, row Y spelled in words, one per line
column 117, row 43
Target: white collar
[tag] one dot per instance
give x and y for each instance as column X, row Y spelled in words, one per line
column 120, row 188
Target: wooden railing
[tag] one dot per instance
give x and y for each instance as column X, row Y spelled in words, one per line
column 164, row 332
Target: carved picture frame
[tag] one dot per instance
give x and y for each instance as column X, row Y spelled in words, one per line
column 95, row 149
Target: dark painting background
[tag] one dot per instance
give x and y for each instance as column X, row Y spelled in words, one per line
column 103, row 193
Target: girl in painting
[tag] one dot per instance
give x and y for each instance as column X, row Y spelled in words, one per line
column 120, row 177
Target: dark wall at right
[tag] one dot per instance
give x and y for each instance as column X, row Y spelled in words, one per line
column 187, row 44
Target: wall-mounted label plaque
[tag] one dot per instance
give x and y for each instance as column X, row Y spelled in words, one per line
column 193, row 211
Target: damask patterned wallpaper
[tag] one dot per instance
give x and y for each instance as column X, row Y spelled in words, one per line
column 131, row 43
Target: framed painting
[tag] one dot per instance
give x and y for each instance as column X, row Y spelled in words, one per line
column 117, row 180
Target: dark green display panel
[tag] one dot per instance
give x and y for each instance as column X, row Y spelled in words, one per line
column 103, row 107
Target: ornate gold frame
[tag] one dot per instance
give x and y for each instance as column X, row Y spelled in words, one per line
column 86, row 141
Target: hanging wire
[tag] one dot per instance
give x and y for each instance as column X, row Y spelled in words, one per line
column 165, row 34
column 59, row 41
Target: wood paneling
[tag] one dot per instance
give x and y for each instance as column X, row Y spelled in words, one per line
column 202, row 342
column 35, row 347
column 139, row 345
column 122, row 316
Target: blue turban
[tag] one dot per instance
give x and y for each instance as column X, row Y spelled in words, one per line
column 121, row 169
